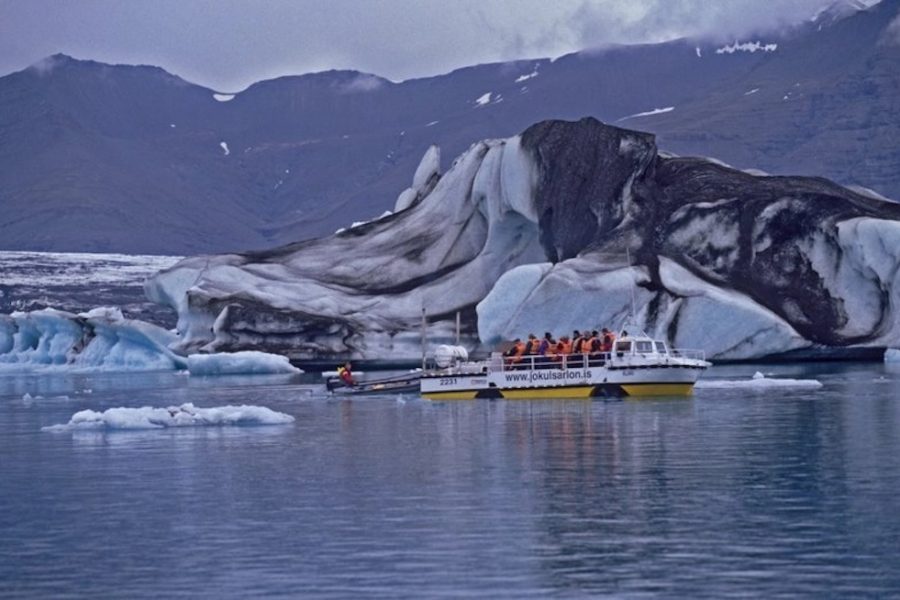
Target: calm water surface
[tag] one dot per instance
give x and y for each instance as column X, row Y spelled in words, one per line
column 730, row 493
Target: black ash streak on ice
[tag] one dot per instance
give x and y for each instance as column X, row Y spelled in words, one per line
column 597, row 191
column 583, row 172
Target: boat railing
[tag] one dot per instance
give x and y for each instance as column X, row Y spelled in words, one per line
column 562, row 362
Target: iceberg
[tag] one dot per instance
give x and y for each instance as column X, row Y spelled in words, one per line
column 532, row 233
column 104, row 340
column 101, row 339
column 186, row 415
column 240, row 363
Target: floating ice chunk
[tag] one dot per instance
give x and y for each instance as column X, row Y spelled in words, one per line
column 223, row 97
column 483, row 99
column 757, row 382
column 699, row 53
column 249, row 362
column 225, row 149
column 186, row 415
column 431, row 123
column 892, row 355
column 753, row 91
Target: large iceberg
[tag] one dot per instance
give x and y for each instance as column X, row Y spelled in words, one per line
column 569, row 225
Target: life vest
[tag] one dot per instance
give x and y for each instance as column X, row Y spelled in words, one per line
column 576, row 347
column 609, row 339
column 345, row 375
column 517, row 352
column 586, row 344
column 530, row 347
column 564, row 348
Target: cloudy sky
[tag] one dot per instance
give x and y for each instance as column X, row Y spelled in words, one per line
column 228, row 44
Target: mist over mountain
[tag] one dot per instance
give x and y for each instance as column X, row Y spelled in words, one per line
column 95, row 157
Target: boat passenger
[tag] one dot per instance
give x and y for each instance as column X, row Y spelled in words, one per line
column 531, row 346
column 563, row 349
column 607, row 340
column 514, row 354
column 346, row 374
column 544, row 350
column 545, row 343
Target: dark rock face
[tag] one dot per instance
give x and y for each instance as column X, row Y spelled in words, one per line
column 118, row 158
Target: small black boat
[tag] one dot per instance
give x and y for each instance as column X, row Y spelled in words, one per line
column 396, row 384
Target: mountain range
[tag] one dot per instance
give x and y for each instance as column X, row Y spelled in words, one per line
column 97, row 157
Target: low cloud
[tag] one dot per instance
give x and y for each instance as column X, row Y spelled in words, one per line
column 362, row 83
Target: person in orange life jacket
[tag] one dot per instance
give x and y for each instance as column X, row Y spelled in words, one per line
column 607, row 340
column 515, row 353
column 531, row 347
column 346, row 375
column 563, row 348
column 594, row 346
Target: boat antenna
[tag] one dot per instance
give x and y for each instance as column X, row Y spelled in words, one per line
column 633, row 315
column 424, row 325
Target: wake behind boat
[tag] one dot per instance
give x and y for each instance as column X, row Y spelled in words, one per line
column 637, row 366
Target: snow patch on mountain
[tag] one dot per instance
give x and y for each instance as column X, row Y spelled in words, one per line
column 747, row 47
column 649, row 113
column 224, row 146
column 526, row 77
column 483, row 99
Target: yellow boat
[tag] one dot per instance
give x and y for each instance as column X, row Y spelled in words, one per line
column 637, row 366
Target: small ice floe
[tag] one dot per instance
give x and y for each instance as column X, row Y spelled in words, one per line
column 223, row 97
column 248, row 362
column 892, row 355
column 28, row 398
column 224, row 147
column 186, row 415
column 757, row 382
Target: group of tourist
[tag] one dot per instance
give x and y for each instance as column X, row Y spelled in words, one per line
column 582, row 344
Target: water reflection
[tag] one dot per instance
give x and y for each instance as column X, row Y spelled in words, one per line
column 727, row 493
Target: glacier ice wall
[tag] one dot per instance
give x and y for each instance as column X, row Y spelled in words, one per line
column 532, row 233
column 363, row 290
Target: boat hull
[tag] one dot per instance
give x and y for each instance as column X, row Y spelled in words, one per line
column 594, row 382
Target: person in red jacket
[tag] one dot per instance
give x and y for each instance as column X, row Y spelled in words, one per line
column 346, row 375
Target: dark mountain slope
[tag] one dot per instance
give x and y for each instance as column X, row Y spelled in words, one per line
column 103, row 157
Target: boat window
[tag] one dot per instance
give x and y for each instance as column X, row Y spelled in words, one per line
column 661, row 347
column 644, row 347
column 623, row 346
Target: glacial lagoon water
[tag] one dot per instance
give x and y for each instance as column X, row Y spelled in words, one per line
column 731, row 493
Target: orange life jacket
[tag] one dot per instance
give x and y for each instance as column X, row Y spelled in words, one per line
column 518, row 351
